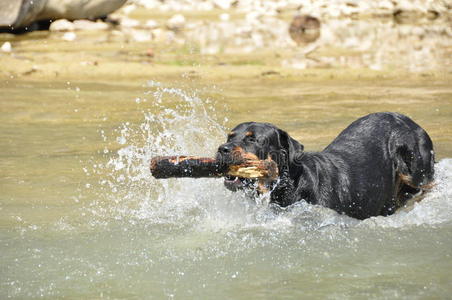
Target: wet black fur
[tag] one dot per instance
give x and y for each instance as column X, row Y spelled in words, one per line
column 357, row 174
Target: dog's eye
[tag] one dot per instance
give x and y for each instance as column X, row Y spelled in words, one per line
column 251, row 139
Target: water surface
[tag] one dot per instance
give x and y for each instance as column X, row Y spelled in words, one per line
column 81, row 217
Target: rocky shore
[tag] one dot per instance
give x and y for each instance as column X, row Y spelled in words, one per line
column 19, row 15
column 379, row 35
column 413, row 34
column 321, row 8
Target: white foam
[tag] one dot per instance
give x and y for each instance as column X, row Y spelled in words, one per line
column 434, row 208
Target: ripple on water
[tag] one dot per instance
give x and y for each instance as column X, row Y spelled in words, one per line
column 137, row 237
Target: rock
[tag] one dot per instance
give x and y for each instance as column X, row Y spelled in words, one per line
column 78, row 9
column 62, row 25
column 69, row 36
column 432, row 15
column 6, row 47
column 130, row 23
column 386, row 5
column 65, row 25
column 151, row 24
column 129, row 8
column 31, row 71
column 270, row 72
column 176, row 23
column 150, row 52
column 225, row 17
column 141, row 35
column 304, row 29
column 21, row 13
column 223, row 4
column 158, row 34
column 90, row 25
column 252, row 16
column 9, row 11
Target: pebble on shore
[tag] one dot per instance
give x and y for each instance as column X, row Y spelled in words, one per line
column 176, row 22
column 7, row 47
column 304, row 29
column 69, row 36
column 65, row 25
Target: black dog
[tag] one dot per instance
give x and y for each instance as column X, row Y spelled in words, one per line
column 372, row 168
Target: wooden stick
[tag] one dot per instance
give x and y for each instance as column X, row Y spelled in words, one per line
column 184, row 166
column 197, row 167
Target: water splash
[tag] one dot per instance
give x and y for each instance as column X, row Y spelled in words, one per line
column 178, row 121
column 435, row 207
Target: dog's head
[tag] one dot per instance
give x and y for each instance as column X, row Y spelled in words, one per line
column 261, row 140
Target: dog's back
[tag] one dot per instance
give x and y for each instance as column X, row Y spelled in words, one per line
column 386, row 158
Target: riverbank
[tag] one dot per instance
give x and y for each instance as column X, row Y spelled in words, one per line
column 44, row 56
column 243, row 39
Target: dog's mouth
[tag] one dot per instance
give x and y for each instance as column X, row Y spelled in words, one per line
column 233, row 183
column 237, row 156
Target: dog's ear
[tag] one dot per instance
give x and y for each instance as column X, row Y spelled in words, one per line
column 292, row 146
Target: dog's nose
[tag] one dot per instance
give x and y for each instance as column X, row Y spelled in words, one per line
column 225, row 149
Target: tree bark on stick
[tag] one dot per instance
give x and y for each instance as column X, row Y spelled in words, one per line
column 198, row 167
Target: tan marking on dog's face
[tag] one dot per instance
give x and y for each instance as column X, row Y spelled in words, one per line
column 406, row 179
column 240, row 153
column 231, row 134
column 249, row 133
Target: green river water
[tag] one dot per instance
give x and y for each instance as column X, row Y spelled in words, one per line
column 81, row 217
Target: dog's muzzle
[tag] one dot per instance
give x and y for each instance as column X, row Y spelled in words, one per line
column 234, row 183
